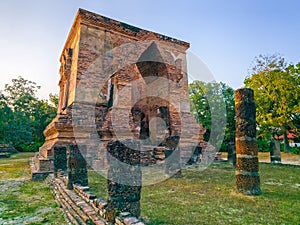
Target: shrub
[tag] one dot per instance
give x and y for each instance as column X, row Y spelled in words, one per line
column 295, row 150
column 263, row 145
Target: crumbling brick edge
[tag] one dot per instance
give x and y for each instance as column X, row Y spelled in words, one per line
column 82, row 207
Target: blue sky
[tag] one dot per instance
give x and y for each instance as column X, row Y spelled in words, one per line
column 226, row 35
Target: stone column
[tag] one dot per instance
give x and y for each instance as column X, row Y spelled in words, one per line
column 124, row 178
column 231, row 153
column 60, row 159
column 172, row 157
column 275, row 153
column 77, row 167
column 247, row 171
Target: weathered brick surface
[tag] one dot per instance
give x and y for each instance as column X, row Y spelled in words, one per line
column 77, row 168
column 248, row 184
column 124, row 181
column 248, row 147
column 247, row 170
column 60, row 159
column 79, row 209
column 250, row 163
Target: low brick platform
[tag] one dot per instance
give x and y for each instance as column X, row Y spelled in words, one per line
column 6, row 150
column 82, row 207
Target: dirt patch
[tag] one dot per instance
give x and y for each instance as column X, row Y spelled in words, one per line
column 10, row 185
column 286, row 158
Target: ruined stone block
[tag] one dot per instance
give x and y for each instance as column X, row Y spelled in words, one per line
column 60, row 159
column 77, row 168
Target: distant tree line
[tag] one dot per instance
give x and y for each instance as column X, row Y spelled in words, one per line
column 23, row 117
column 276, row 86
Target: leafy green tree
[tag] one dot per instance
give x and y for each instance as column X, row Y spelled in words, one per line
column 53, row 98
column 208, row 98
column 276, row 88
column 23, row 115
column 6, row 117
column 41, row 116
column 296, row 121
column 20, row 89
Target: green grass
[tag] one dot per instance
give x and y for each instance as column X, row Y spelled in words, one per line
column 98, row 184
column 15, row 167
column 23, row 201
column 209, row 197
column 200, row 197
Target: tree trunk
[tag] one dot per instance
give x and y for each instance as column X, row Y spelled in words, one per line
column 286, row 141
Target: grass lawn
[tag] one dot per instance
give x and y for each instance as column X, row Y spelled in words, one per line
column 209, row 197
column 200, row 197
column 23, row 201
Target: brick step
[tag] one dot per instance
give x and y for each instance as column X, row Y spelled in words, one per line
column 98, row 204
column 69, row 213
column 72, row 210
column 84, row 210
column 82, row 207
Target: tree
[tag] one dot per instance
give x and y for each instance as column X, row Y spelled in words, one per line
column 23, row 115
column 6, row 116
column 276, row 88
column 296, row 121
column 216, row 98
column 53, row 98
column 20, row 89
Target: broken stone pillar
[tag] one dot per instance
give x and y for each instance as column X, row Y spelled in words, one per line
column 60, row 159
column 247, row 171
column 172, row 156
column 124, row 177
column 275, row 153
column 208, row 155
column 231, row 153
column 77, row 167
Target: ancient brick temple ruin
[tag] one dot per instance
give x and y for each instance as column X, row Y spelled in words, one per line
column 123, row 107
